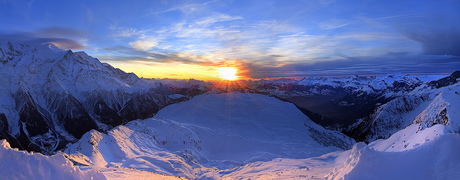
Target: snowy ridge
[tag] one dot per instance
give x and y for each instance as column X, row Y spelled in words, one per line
column 17, row 164
column 435, row 113
column 22, row 165
column 391, row 117
column 189, row 143
column 435, row 160
column 424, row 106
column 222, row 131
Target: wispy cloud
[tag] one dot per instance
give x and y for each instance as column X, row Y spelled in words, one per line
column 145, row 44
column 122, row 53
column 60, row 37
column 185, row 8
column 216, row 18
column 261, row 47
column 319, row 38
column 333, row 24
column 123, row 32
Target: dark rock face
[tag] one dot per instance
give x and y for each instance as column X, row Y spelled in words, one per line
column 69, row 119
column 133, row 110
column 105, row 114
column 4, row 132
column 73, row 116
column 452, row 79
column 32, row 124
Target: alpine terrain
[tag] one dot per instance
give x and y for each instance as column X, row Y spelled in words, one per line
column 65, row 114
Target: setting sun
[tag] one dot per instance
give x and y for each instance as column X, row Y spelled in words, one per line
column 228, row 73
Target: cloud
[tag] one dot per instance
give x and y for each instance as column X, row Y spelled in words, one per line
column 333, row 24
column 60, row 32
column 216, row 18
column 186, row 8
column 123, row 53
column 439, row 41
column 284, row 64
column 143, row 45
column 124, row 32
column 44, row 36
column 369, row 65
column 437, row 32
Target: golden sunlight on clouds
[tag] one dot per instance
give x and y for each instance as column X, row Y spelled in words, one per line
column 180, row 71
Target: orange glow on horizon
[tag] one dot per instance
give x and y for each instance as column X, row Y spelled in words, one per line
column 226, row 70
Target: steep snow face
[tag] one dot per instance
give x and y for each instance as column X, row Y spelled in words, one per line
column 424, row 106
column 219, row 130
column 443, row 109
column 391, row 117
column 22, row 165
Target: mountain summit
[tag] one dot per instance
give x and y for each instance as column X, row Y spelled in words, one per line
column 49, row 96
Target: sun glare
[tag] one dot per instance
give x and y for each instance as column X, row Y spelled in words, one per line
column 228, row 73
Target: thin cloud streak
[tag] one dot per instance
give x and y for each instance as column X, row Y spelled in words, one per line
column 126, row 54
column 44, row 36
column 188, row 8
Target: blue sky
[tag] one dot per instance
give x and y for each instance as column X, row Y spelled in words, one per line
column 265, row 38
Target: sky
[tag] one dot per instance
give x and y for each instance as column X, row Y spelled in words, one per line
column 261, row 38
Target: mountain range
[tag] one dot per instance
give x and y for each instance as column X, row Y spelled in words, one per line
column 96, row 118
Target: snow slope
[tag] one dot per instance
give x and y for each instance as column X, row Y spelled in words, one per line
column 221, row 136
column 213, row 131
column 425, row 149
column 437, row 159
column 16, row 164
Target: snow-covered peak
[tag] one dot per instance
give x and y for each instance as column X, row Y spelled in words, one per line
column 50, row 96
column 23, row 54
column 93, row 61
